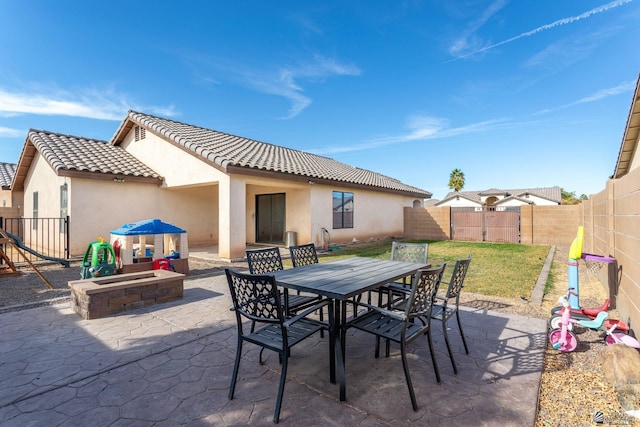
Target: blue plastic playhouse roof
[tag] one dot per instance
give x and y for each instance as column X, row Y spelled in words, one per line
column 147, row 226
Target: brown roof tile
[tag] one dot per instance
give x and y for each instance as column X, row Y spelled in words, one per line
column 73, row 153
column 227, row 150
column 7, row 172
column 551, row 193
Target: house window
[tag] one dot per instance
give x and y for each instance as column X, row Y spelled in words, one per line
column 64, row 205
column 342, row 210
column 34, row 223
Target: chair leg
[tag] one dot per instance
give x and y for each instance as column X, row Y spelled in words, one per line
column 464, row 341
column 407, row 375
column 446, row 340
column 377, row 346
column 236, row 366
column 433, row 355
column 283, row 379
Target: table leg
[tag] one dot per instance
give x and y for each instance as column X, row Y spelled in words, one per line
column 333, row 336
column 341, row 317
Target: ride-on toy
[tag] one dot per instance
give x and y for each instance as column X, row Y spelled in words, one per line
column 99, row 260
column 593, row 264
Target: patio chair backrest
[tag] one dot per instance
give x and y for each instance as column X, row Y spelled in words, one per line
column 255, row 297
column 303, row 255
column 262, row 261
column 457, row 277
column 410, row 252
column 423, row 292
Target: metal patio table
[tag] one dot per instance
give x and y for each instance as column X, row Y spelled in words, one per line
column 340, row 281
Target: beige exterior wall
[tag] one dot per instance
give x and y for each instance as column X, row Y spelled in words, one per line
column 176, row 166
column 5, row 199
column 309, row 210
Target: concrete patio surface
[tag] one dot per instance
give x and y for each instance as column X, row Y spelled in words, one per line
column 171, row 364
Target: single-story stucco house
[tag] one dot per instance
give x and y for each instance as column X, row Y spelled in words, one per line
column 225, row 190
column 497, row 199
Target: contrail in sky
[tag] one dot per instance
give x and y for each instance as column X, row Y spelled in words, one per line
column 557, row 23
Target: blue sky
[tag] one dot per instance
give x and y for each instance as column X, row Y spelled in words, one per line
column 516, row 94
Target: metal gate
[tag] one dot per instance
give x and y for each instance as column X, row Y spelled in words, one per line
column 486, row 225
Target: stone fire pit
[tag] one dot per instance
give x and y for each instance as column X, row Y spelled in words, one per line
column 103, row 296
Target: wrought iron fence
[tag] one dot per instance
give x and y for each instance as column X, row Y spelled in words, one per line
column 37, row 237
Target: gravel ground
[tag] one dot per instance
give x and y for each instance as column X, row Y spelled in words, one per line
column 573, row 386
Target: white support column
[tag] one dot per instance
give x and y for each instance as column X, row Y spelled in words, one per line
column 232, row 232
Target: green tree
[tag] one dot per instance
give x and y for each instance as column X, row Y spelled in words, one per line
column 456, row 180
column 570, row 198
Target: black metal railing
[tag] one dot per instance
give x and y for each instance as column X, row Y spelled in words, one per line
column 48, row 237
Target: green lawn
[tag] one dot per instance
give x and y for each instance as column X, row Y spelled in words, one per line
column 499, row 269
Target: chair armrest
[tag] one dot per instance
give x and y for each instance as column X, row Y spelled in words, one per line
column 381, row 310
column 305, row 313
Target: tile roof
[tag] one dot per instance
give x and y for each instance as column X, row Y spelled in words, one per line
column 74, row 153
column 7, row 172
column 230, row 152
column 551, row 193
column 629, row 144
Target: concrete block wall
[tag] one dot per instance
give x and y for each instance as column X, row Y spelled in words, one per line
column 550, row 225
column 430, row 223
column 613, row 216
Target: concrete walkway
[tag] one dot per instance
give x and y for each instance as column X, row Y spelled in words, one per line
column 171, row 365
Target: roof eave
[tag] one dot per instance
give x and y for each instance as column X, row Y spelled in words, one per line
column 243, row 170
column 629, row 142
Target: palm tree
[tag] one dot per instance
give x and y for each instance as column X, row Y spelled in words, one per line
column 456, row 180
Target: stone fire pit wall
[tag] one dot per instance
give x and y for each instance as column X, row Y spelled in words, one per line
column 103, row 296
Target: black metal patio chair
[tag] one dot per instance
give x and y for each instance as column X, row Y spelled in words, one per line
column 303, row 255
column 446, row 306
column 405, row 327
column 398, row 290
column 263, row 261
column 257, row 298
column 406, row 252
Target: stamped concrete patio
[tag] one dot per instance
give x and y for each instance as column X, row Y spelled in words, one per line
column 171, row 364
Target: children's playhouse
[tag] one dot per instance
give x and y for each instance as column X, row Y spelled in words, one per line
column 139, row 244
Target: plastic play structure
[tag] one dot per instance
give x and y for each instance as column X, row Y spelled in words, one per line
column 7, row 238
column 142, row 245
column 99, row 260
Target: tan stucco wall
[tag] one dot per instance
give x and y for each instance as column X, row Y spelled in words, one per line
column 309, row 210
column 5, row 199
column 96, row 207
column 177, row 167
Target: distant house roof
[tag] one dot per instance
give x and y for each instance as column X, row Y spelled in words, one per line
column 77, row 156
column 236, row 154
column 629, row 143
column 553, row 194
column 7, row 172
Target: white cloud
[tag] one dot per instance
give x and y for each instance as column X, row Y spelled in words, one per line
column 601, row 94
column 558, row 23
column 468, row 41
column 421, row 128
column 10, row 133
column 286, row 81
column 91, row 104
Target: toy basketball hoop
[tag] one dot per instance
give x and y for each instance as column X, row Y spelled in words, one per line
column 594, row 263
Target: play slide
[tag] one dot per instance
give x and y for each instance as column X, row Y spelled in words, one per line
column 21, row 245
